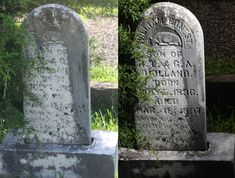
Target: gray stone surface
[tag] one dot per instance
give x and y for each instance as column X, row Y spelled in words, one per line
column 104, row 95
column 172, row 40
column 59, row 49
column 216, row 162
column 55, row 160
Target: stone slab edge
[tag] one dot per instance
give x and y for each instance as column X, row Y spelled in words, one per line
column 104, row 85
column 103, row 151
column 221, row 148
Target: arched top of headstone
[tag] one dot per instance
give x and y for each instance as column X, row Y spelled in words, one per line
column 60, row 45
column 171, row 8
column 176, row 21
column 55, row 18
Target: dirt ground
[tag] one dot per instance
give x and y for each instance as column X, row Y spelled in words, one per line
column 104, row 32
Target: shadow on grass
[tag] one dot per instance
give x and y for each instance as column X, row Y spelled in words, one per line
column 221, row 118
column 89, row 8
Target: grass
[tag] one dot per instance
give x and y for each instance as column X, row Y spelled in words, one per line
column 98, row 71
column 92, row 11
column 3, row 130
column 103, row 73
column 105, row 120
column 220, row 121
column 86, row 7
column 221, row 66
column 83, row 18
column 127, row 137
column 93, row 8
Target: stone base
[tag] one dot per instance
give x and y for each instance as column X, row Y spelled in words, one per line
column 216, row 162
column 51, row 161
column 104, row 95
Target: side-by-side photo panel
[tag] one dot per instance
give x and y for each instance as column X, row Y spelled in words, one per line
column 176, row 89
column 58, row 89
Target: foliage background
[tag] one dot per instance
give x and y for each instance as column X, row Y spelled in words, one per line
column 11, row 64
column 130, row 12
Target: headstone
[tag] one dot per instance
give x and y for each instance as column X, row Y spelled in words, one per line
column 57, row 105
column 175, row 117
column 60, row 110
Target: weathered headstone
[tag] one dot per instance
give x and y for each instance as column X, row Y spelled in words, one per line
column 60, row 84
column 175, row 118
column 57, row 105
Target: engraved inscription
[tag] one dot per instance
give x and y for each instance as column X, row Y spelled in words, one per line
column 172, row 120
column 165, row 39
column 166, row 32
column 51, row 86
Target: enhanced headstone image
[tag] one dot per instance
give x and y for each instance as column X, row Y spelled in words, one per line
column 175, row 117
column 165, row 127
